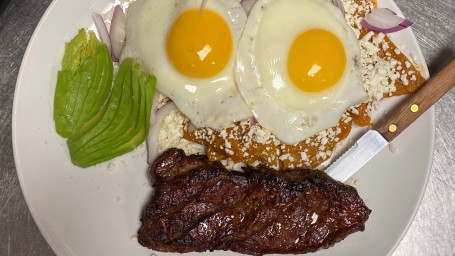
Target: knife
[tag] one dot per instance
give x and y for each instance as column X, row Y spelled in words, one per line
column 375, row 140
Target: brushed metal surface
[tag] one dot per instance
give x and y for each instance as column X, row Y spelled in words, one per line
column 431, row 233
column 357, row 156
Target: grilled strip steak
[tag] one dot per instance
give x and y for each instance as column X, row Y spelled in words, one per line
column 198, row 205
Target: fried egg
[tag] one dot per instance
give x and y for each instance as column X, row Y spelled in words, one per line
column 192, row 52
column 298, row 67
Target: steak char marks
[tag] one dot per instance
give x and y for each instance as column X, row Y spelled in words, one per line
column 198, row 205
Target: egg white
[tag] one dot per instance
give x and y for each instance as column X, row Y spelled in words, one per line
column 261, row 72
column 213, row 102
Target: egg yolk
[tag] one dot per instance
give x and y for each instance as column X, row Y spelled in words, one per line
column 316, row 60
column 199, row 44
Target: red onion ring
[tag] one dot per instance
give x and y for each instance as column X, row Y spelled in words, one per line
column 394, row 13
column 117, row 32
column 152, row 139
column 150, row 149
column 253, row 121
column 384, row 20
column 102, row 30
column 155, row 103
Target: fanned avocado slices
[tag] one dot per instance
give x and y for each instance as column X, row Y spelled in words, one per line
column 100, row 123
column 125, row 123
column 83, row 84
column 108, row 121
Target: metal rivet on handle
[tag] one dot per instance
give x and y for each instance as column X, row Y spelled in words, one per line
column 414, row 108
column 392, row 128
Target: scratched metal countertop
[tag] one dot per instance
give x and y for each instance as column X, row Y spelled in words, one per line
column 433, row 230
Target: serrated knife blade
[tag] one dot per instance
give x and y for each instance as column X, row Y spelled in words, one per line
column 358, row 155
column 375, row 140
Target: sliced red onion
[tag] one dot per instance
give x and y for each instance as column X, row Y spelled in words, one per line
column 102, row 30
column 117, row 32
column 384, row 20
column 394, row 13
column 152, row 139
column 247, row 5
column 253, row 121
column 153, row 112
column 155, row 103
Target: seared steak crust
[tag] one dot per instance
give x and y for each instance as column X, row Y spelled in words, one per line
column 198, row 205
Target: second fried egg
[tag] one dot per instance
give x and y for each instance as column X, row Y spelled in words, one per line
column 298, row 67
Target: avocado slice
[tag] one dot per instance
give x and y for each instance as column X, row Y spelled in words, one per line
column 94, row 93
column 120, row 119
column 112, row 108
column 83, row 84
column 132, row 133
column 75, row 51
column 65, row 98
column 122, row 133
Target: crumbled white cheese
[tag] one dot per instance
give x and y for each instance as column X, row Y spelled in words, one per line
column 352, row 13
column 111, row 166
column 171, row 133
column 378, row 75
column 408, row 64
column 262, row 135
column 385, row 46
column 229, row 164
column 304, row 156
column 286, row 157
column 393, row 148
column 354, row 110
column 229, row 152
column 404, row 80
column 321, row 155
column 162, row 100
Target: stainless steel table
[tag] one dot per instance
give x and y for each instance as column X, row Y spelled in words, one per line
column 431, row 233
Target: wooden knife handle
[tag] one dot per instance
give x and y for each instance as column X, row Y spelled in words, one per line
column 419, row 102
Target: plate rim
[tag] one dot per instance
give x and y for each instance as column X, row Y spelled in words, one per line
column 14, row 115
column 429, row 166
column 423, row 189
column 432, row 145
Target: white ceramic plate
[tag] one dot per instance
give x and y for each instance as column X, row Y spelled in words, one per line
column 96, row 211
